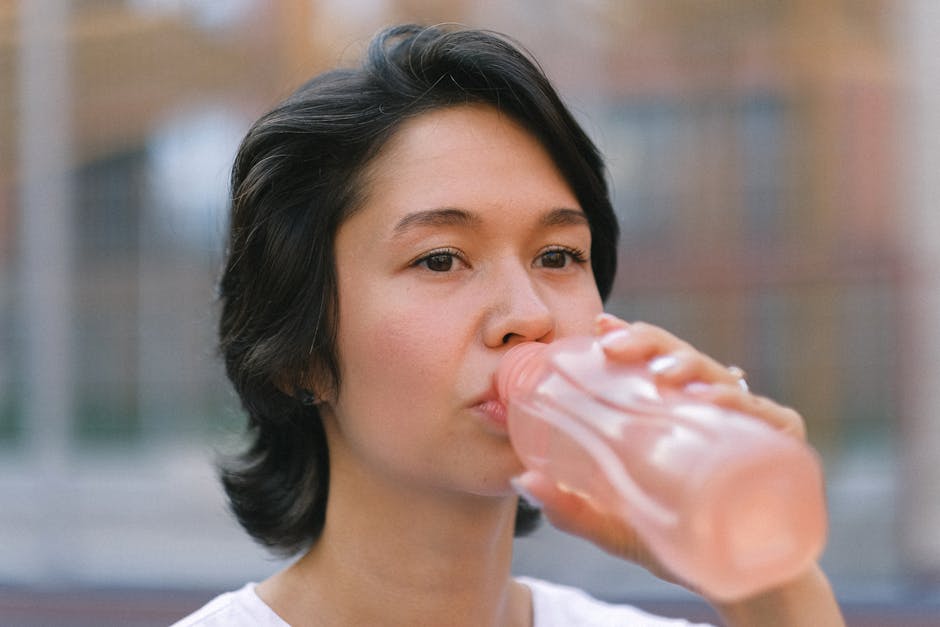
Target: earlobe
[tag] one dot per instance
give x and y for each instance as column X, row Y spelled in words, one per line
column 306, row 397
column 304, row 389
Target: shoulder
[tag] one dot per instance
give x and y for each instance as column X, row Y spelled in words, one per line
column 241, row 608
column 555, row 605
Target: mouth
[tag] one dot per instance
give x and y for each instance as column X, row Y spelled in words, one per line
column 491, row 407
column 494, row 410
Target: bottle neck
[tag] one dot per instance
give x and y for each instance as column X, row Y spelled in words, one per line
column 517, row 368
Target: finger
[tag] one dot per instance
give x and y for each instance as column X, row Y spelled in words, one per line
column 731, row 396
column 605, row 323
column 672, row 360
column 574, row 513
column 640, row 341
column 687, row 364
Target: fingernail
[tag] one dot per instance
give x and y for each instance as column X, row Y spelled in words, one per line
column 517, row 485
column 663, row 363
column 603, row 321
column 697, row 388
column 616, row 339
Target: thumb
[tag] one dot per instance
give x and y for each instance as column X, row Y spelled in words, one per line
column 576, row 513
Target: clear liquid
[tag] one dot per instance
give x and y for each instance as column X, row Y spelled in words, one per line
column 723, row 500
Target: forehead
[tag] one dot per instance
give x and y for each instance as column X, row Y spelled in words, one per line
column 470, row 157
column 458, row 126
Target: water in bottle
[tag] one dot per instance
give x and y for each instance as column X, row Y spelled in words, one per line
column 726, row 502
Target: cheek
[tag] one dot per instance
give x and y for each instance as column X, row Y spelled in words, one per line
column 397, row 383
column 576, row 310
column 393, row 355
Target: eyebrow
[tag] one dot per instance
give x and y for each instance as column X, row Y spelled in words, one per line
column 450, row 216
column 564, row 217
column 446, row 216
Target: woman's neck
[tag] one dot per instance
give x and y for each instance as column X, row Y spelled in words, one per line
column 396, row 557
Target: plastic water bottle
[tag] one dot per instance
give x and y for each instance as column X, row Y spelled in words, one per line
column 723, row 500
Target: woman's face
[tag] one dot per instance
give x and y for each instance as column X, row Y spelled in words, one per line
column 470, row 241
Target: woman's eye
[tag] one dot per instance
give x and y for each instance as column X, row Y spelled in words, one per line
column 439, row 261
column 560, row 257
column 554, row 259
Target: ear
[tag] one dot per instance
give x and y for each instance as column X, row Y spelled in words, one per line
column 309, row 389
column 306, row 397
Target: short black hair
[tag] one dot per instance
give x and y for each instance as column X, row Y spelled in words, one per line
column 297, row 176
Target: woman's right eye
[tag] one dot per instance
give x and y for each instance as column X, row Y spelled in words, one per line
column 439, row 260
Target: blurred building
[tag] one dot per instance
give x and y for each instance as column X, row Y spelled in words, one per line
column 753, row 147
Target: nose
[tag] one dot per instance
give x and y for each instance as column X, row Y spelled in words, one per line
column 518, row 312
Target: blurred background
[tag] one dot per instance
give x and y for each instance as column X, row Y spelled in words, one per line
column 775, row 170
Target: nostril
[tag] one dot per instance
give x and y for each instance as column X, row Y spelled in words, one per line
column 507, row 338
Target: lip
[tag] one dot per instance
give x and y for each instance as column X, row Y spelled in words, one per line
column 491, row 407
column 494, row 410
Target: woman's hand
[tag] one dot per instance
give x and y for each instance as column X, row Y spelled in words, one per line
column 675, row 363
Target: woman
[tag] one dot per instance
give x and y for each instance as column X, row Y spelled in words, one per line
column 395, row 230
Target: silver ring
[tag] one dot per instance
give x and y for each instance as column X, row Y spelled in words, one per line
column 738, row 373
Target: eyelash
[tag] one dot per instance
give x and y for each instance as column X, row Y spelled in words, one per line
column 575, row 254
column 438, row 252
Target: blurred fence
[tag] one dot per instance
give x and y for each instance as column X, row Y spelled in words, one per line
column 774, row 172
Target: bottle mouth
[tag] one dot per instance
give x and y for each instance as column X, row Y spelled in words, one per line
column 515, row 369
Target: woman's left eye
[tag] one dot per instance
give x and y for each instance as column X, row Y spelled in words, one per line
column 559, row 257
column 441, row 262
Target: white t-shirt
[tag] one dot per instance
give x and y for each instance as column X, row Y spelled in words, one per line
column 552, row 606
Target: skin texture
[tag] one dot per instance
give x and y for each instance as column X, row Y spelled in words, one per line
column 469, row 242
column 474, row 191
